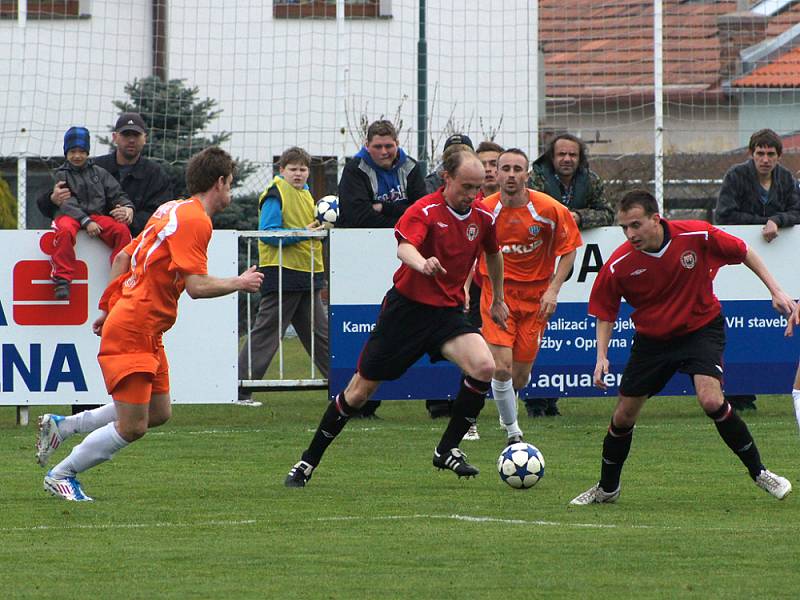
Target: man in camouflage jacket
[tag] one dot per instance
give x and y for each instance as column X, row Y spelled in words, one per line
column 563, row 173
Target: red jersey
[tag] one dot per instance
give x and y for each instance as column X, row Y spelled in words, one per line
column 435, row 229
column 174, row 243
column 671, row 291
column 532, row 236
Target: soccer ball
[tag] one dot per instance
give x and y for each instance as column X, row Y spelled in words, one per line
column 328, row 209
column 521, row 465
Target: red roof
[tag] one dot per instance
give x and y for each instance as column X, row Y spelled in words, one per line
column 781, row 73
column 596, row 49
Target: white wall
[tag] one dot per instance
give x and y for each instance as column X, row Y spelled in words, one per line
column 58, row 73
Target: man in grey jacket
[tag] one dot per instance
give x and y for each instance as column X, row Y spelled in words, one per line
column 759, row 191
column 94, row 193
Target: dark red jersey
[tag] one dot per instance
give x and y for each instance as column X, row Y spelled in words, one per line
column 671, row 291
column 435, row 229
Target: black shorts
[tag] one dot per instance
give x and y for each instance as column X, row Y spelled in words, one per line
column 404, row 332
column 653, row 362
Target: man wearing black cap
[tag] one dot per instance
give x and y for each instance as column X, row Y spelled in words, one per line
column 459, row 141
column 143, row 180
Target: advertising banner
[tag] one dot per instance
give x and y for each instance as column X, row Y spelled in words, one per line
column 48, row 353
column 758, row 359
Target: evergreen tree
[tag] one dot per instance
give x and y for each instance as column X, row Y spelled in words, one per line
column 8, row 206
column 176, row 120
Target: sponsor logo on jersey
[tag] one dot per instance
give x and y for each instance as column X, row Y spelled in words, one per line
column 689, row 259
column 472, row 232
column 520, row 248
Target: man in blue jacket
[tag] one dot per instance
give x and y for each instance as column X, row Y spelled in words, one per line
column 379, row 182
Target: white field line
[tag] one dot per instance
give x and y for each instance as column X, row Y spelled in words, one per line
column 700, row 425
column 539, row 523
column 160, row 525
column 472, row 519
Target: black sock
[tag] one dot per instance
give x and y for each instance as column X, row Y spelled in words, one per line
column 737, row 436
column 616, row 446
column 466, row 408
column 333, row 421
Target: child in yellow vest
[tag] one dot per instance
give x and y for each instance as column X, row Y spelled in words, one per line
column 287, row 204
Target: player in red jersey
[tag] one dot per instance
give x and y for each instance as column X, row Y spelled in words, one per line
column 139, row 305
column 665, row 271
column 439, row 237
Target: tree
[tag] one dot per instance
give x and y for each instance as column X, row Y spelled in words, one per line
column 8, row 206
column 175, row 119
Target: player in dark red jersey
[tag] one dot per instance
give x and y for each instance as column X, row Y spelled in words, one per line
column 439, row 237
column 665, row 271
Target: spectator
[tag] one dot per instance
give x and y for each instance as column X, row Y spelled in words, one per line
column 433, row 181
column 144, row 181
column 93, row 196
column 378, row 184
column 759, row 191
column 287, row 204
column 562, row 172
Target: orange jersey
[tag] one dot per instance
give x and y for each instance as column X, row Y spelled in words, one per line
column 173, row 244
column 531, row 237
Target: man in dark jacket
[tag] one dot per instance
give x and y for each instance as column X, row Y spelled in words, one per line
column 379, row 182
column 143, row 180
column 759, row 191
column 562, row 172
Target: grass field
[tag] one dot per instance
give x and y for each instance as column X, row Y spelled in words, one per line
column 198, row 510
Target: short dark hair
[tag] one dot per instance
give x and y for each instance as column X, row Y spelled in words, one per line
column 487, row 146
column 452, row 161
column 516, row 151
column 295, row 154
column 766, row 138
column 206, row 167
column 382, row 127
column 641, row 198
column 550, row 150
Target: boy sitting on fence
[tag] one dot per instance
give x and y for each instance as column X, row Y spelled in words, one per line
column 95, row 193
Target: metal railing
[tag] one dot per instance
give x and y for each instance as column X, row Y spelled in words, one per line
column 313, row 382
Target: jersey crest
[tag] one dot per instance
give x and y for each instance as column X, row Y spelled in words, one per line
column 472, row 232
column 689, row 259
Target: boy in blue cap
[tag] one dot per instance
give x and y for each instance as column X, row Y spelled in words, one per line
column 95, row 193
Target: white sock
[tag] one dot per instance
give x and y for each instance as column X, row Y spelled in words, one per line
column 88, row 420
column 99, row 446
column 796, row 401
column 506, row 399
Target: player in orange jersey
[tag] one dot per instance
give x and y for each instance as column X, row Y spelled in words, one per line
column 533, row 230
column 139, row 305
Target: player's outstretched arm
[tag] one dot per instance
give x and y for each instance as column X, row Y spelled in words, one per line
column 603, row 332
column 411, row 257
column 781, row 301
column 207, row 286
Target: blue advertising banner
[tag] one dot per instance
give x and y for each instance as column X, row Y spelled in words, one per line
column 758, row 358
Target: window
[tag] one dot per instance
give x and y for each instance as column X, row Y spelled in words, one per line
column 326, row 9
column 46, row 9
